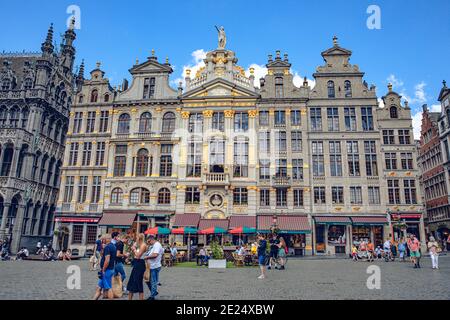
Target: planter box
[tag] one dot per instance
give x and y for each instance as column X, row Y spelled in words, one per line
column 217, row 264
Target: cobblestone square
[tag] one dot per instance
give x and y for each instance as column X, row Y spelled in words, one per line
column 327, row 279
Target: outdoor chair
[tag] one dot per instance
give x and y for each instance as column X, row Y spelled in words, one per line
column 238, row 260
column 168, row 262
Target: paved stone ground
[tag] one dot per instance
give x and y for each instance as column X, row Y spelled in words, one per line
column 303, row 279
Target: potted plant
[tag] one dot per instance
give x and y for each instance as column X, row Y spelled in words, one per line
column 217, row 260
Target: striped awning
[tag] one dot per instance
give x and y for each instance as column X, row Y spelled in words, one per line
column 211, row 223
column 332, row 220
column 242, row 221
column 186, row 220
column 117, row 220
column 381, row 220
column 285, row 223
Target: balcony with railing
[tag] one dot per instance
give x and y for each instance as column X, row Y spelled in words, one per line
column 281, row 180
column 216, row 179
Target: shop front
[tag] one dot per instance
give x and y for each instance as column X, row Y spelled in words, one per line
column 220, row 224
column 185, row 220
column 404, row 224
column 365, row 228
column 119, row 221
column 331, row 234
column 242, row 222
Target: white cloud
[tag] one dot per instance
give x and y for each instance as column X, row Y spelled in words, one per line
column 298, row 80
column 260, row 72
column 417, row 119
column 396, row 83
column 195, row 64
column 380, row 103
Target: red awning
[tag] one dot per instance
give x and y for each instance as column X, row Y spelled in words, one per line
column 210, row 223
column 117, row 219
column 74, row 219
column 186, row 220
column 407, row 215
column 370, row 220
column 242, row 221
column 285, row 223
column 332, row 220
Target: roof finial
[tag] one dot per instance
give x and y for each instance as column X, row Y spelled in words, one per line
column 335, row 41
column 81, row 71
column 406, row 103
column 389, row 87
column 252, row 71
column 270, row 58
column 153, row 52
column 98, row 64
column 444, row 83
column 167, row 60
column 47, row 46
column 286, row 57
column 278, row 54
column 305, row 82
column 137, row 61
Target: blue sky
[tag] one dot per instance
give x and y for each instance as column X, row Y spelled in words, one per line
column 411, row 49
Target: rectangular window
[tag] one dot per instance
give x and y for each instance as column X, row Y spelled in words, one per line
column 77, row 122
column 104, row 119
column 296, row 141
column 407, row 160
column 355, row 195
column 264, row 197
column 335, row 158
column 192, row 195
column 96, row 189
column 241, row 122
column 165, row 167
column 264, row 143
column 410, row 191
column 264, row 169
column 404, row 137
column 90, row 123
column 296, row 118
column 371, row 158
column 91, row 234
column 333, row 119
column 217, row 155
column 297, row 169
column 298, row 198
column 100, row 154
column 319, row 195
column 393, row 191
column 388, row 137
column 240, row 196
column 240, row 159
column 391, row 160
column 264, row 118
column 281, row 194
column 77, row 233
column 350, row 119
column 120, row 160
column 196, row 122
column 82, row 189
column 318, row 160
column 68, row 189
column 367, row 118
column 353, row 158
column 218, row 121
column 87, row 151
column 194, row 162
column 280, row 118
column 73, row 154
column 281, row 168
column 337, row 195
column 374, row 195
column 149, row 88
column 316, row 119
column 280, row 141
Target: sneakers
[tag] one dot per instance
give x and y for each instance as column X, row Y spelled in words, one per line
column 269, row 267
column 261, row 277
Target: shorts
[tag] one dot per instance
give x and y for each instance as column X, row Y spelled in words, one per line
column 415, row 254
column 262, row 260
column 274, row 254
column 106, row 282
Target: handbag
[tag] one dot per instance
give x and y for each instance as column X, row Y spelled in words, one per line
column 117, row 286
column 147, row 273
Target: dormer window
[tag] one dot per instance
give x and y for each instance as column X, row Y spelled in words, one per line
column 94, row 95
column 279, row 87
column 80, row 99
column 106, row 98
column 331, row 91
column 393, row 112
column 149, row 88
column 348, row 89
column 28, row 84
column 6, row 84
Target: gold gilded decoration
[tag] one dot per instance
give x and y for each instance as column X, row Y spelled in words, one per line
column 134, row 110
column 252, row 71
column 188, row 72
column 408, row 174
column 338, row 209
column 356, row 208
column 220, row 60
column 286, row 72
column 199, row 71
column 252, row 113
column 288, row 112
column 229, row 113
column 185, row 114
column 270, row 72
column 208, row 113
column 158, row 109
column 392, row 174
column 271, row 111
column 178, row 109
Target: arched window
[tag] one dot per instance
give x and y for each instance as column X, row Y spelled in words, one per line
column 63, row 97
column 448, row 117
column 117, row 196
column 124, row 123
column 106, row 97
column 348, row 88
column 25, row 114
column 279, row 87
column 145, row 122
column 7, row 160
column 14, row 117
column 28, row 84
column 139, row 196
column 94, row 95
column 57, row 131
column 3, row 115
column 393, row 112
column 80, row 98
column 331, row 91
column 164, row 196
column 6, row 84
column 22, row 153
column 168, row 124
column 142, row 163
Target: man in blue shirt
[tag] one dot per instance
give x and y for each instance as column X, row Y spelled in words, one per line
column 262, row 247
column 107, row 264
column 98, row 250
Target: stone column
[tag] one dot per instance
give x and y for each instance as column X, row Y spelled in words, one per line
column 27, row 166
column 129, row 163
column 17, row 229
column 2, row 156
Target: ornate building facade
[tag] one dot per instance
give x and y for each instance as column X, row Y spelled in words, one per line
column 326, row 166
column 35, row 99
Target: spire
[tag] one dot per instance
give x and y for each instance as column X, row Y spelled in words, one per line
column 335, row 41
column 389, row 87
column 81, row 71
column 444, row 83
column 47, row 46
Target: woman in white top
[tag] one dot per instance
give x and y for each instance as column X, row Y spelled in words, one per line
column 433, row 248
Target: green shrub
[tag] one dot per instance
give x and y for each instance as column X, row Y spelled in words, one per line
column 216, row 251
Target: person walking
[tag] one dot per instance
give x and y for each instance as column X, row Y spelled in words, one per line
column 434, row 249
column 402, row 250
column 282, row 253
column 97, row 251
column 154, row 255
column 274, row 243
column 262, row 247
column 136, row 280
column 120, row 259
column 106, row 272
column 414, row 249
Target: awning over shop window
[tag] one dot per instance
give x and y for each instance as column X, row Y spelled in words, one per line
column 332, row 220
column 242, row 221
column 211, row 223
column 369, row 220
column 117, row 219
column 186, row 220
column 285, row 223
column 77, row 219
